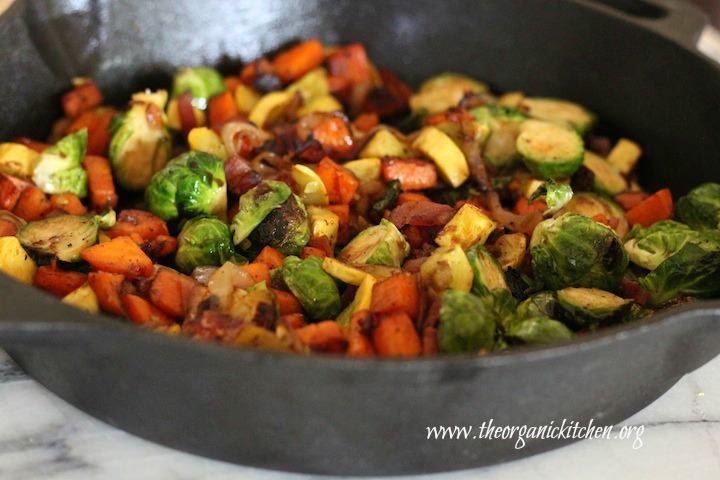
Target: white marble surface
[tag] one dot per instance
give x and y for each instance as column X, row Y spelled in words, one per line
column 42, row 437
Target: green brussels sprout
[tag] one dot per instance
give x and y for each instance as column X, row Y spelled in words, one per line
column 503, row 123
column 649, row 247
column 270, row 214
column 202, row 82
column 488, row 275
column 592, row 204
column 466, row 323
column 590, row 307
column 286, row 228
column 381, row 244
column 557, row 195
column 205, row 241
column 63, row 236
column 541, row 304
column 59, row 168
column 141, row 144
column 550, row 150
column 694, row 270
column 560, row 111
column 701, row 207
column 255, row 205
column 314, row 288
column 538, row 330
column 575, row 251
column 190, row 185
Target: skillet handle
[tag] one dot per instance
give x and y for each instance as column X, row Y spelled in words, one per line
column 674, row 19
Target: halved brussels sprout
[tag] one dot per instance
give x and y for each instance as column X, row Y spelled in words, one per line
column 286, row 228
column 592, row 204
column 141, row 143
column 576, row 251
column 466, row 323
column 190, row 185
column 255, row 205
column 202, row 82
column 541, row 304
column 257, row 305
column 607, row 179
column 59, row 168
column 550, row 150
column 701, row 207
column 590, row 307
column 381, row 244
column 488, row 274
column 538, row 330
column 694, row 270
column 649, row 247
column 559, row 111
column 63, row 236
column 314, row 288
column 503, row 123
column 510, row 250
column 205, row 241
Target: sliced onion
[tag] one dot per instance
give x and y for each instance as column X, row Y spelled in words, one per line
column 202, row 274
column 12, row 218
column 235, row 134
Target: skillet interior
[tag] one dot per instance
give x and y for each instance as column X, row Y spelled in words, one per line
column 331, row 415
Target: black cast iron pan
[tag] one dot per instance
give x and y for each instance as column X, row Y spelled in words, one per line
column 343, row 416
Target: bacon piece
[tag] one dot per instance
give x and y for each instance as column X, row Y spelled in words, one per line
column 421, row 214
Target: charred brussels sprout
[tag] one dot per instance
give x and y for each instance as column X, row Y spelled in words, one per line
column 63, row 236
column 270, row 214
column 590, row 307
column 466, row 323
column 315, row 289
column 203, row 83
column 205, row 241
column 701, row 207
column 576, row 251
column 694, row 270
column 382, row 244
column 190, row 185
column 286, row 228
column 141, row 144
column 255, row 205
column 649, row 247
column 59, row 168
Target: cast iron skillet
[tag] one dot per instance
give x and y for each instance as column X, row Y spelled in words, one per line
column 343, row 416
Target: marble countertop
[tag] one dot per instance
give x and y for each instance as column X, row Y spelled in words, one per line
column 42, row 437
